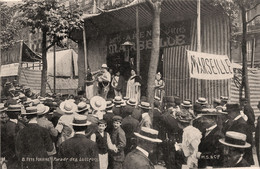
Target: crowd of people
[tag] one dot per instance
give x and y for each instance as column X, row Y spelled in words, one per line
column 93, row 131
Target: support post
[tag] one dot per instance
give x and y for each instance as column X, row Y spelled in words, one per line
column 54, row 68
column 137, row 41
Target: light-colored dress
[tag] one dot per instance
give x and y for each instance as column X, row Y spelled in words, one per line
column 133, row 90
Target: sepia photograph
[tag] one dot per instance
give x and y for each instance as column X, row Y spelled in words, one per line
column 130, row 84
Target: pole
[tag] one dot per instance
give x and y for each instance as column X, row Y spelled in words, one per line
column 198, row 27
column 85, row 48
column 137, row 41
column 54, row 68
column 253, row 53
column 201, row 83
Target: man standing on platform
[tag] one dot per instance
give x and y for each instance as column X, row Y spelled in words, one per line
column 104, row 81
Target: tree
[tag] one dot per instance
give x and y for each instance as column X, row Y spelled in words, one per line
column 56, row 22
column 155, row 6
column 233, row 8
column 9, row 28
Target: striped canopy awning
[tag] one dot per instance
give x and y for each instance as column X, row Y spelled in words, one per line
column 124, row 18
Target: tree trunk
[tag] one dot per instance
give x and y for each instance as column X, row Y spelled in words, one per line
column 245, row 82
column 44, row 63
column 155, row 50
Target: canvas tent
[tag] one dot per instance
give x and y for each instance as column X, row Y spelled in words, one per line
column 66, row 63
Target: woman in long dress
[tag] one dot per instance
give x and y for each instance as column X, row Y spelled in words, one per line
column 133, row 90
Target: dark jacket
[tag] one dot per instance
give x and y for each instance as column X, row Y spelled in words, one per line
column 81, row 153
column 108, row 117
column 257, row 139
column 248, row 110
column 137, row 114
column 211, row 149
column 117, row 111
column 118, row 138
column 8, row 137
column 34, row 142
column 137, row 160
column 243, row 163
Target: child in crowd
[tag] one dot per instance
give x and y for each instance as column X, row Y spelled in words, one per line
column 104, row 143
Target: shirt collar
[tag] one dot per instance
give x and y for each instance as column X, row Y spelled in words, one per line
column 143, row 151
column 211, row 128
column 80, row 132
column 238, row 117
column 14, row 120
column 240, row 159
column 33, row 121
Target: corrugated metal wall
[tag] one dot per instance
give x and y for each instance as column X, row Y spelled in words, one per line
column 254, row 84
column 214, row 39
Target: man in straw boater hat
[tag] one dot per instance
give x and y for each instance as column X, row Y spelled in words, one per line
column 83, row 108
column 80, row 152
column 209, row 155
column 117, row 110
column 138, row 158
column 104, row 81
column 42, row 120
column 64, row 126
column 234, row 149
column 108, row 117
column 236, row 121
column 9, row 133
column 33, row 143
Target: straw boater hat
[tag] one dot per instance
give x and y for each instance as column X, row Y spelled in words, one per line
column 145, row 105
column 15, row 107
column 186, row 103
column 68, row 107
column 82, row 106
column 104, row 66
column 201, row 100
column 148, row 134
column 30, row 110
column 118, row 100
column 42, row 109
column 224, row 98
column 80, row 120
column 98, row 103
column 109, row 104
column 2, row 108
column 131, row 102
column 235, row 139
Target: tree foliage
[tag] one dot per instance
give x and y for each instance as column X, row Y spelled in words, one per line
column 9, row 28
column 50, row 16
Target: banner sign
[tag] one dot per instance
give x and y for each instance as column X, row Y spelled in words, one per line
column 209, row 66
column 173, row 34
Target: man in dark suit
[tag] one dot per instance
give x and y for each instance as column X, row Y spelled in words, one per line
column 79, row 152
column 33, row 143
column 257, row 136
column 138, row 158
column 234, row 149
column 9, row 133
column 249, row 112
column 129, row 125
column 236, row 121
column 108, row 117
column 210, row 150
column 171, row 133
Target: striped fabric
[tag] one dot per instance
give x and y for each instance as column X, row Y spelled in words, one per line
column 254, row 84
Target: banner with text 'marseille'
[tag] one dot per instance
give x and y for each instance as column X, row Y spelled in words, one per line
column 209, row 66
